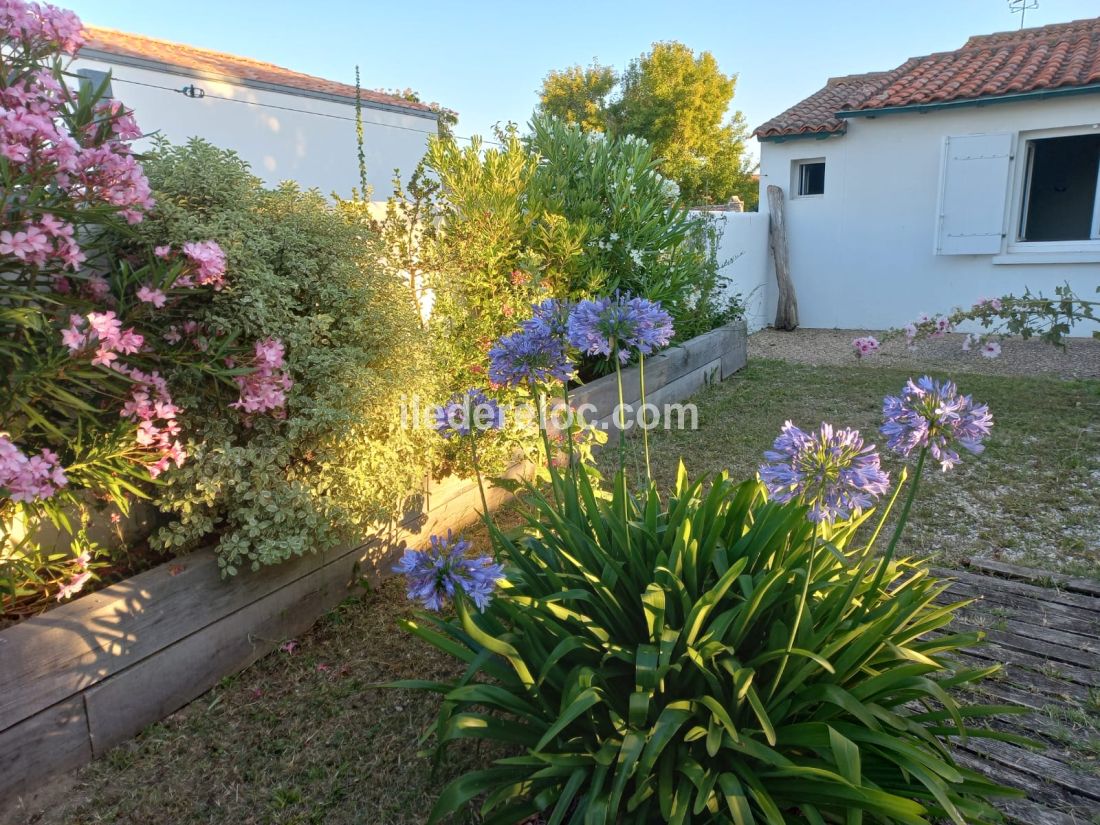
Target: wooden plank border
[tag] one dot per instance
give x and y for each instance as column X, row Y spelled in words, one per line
column 88, row 675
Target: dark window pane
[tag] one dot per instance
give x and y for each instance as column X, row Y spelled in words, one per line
column 1062, row 189
column 811, row 179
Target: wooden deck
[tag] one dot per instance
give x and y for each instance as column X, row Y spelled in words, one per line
column 1045, row 630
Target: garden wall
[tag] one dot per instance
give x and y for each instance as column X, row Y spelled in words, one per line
column 744, row 250
column 90, row 674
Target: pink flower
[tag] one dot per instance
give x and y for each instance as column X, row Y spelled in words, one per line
column 209, row 262
column 73, row 338
column 149, row 295
column 115, row 518
column 865, row 346
column 991, row 350
column 264, row 389
column 29, row 478
column 992, row 303
column 73, row 586
column 163, row 251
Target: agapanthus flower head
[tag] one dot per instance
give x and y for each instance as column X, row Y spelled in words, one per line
column 934, row 415
column 551, row 318
column 466, row 412
column 619, row 325
column 435, row 575
column 831, row 471
column 530, row 356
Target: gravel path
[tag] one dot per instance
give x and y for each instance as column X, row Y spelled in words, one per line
column 1080, row 359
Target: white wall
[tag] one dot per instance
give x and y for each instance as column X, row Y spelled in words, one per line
column 862, row 254
column 744, row 251
column 315, row 147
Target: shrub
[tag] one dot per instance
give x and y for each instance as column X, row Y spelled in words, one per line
column 307, row 273
column 86, row 411
column 636, row 237
column 484, row 266
column 483, row 233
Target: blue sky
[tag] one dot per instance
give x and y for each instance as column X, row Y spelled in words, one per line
column 487, row 59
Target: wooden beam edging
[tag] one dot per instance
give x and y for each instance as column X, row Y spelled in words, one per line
column 90, row 674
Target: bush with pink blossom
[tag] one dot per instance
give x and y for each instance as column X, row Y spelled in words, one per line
column 88, row 373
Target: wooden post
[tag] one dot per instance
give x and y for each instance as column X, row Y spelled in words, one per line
column 786, row 311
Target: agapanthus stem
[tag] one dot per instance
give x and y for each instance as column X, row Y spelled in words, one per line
column 622, row 412
column 903, row 518
column 625, row 491
column 645, row 430
column 800, row 612
column 542, row 412
column 477, row 473
column 569, row 423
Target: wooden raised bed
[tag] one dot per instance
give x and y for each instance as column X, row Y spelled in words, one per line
column 90, row 674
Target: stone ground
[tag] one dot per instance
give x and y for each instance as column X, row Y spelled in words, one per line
column 821, row 347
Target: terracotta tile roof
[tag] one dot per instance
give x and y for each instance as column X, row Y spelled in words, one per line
column 817, row 113
column 1059, row 56
column 229, row 66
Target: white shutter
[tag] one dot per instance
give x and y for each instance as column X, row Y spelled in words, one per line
column 972, row 194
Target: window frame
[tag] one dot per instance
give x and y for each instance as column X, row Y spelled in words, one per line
column 796, row 176
column 1020, row 197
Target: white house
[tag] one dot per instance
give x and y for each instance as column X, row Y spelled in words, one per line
column 287, row 125
column 954, row 176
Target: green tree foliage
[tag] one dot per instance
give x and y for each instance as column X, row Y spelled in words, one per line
column 634, row 234
column 677, row 101
column 579, row 95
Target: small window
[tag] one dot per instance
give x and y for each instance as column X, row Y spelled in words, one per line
column 93, row 79
column 810, row 178
column 1062, row 189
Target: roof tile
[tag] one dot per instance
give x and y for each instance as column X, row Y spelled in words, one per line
column 228, row 65
column 1057, row 56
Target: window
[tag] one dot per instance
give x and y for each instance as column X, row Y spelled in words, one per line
column 1061, row 199
column 810, row 177
column 93, row 79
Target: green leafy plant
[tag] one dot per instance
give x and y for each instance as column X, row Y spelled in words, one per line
column 636, row 236
column 638, row 659
column 340, row 462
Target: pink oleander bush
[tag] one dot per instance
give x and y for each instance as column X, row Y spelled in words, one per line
column 99, row 326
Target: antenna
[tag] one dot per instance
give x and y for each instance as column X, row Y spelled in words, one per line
column 1021, row 8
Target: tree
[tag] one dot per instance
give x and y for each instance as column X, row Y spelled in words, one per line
column 675, row 100
column 579, row 95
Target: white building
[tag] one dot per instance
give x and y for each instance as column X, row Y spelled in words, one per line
column 287, row 125
column 955, row 176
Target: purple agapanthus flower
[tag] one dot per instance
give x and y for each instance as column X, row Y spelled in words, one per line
column 433, row 576
column 531, row 356
column 621, row 325
column 549, row 318
column 934, row 415
column 832, row 471
column 466, row 411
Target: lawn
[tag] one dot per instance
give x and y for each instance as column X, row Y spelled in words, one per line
column 305, row 736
